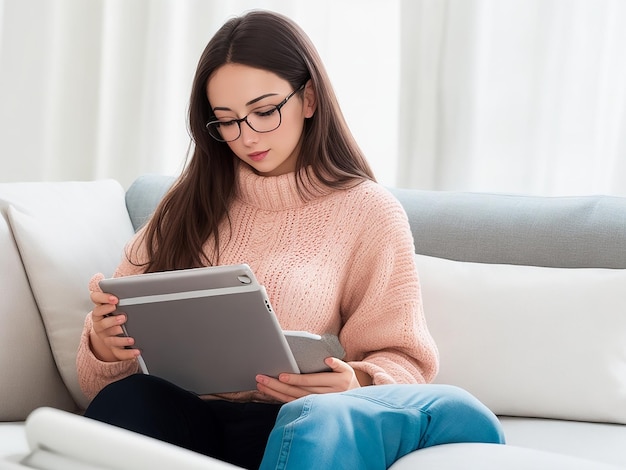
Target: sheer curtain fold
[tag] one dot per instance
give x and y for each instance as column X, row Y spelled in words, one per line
column 422, row 26
column 524, row 96
column 99, row 88
column 147, row 62
column 529, row 96
column 22, row 114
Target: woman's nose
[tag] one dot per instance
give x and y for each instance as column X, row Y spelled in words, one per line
column 248, row 135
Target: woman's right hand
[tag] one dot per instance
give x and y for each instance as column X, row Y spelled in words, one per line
column 108, row 342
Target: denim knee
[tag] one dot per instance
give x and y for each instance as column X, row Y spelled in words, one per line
column 441, row 413
column 458, row 416
column 325, row 431
column 372, row 427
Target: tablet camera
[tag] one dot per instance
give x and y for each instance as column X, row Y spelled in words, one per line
column 244, row 279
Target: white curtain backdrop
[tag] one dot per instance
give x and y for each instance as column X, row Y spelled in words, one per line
column 524, row 96
column 99, row 88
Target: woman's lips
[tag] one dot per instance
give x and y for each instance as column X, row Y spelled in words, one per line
column 258, row 156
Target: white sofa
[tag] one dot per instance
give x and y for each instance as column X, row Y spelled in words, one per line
column 525, row 297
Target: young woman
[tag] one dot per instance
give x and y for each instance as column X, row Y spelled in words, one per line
column 276, row 181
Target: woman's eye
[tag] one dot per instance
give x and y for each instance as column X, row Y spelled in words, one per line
column 266, row 112
column 227, row 123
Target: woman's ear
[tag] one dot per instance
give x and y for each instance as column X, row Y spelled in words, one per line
column 309, row 99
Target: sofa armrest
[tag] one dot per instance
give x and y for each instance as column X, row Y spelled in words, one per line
column 88, row 444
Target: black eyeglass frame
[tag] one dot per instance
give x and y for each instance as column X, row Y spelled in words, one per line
column 217, row 122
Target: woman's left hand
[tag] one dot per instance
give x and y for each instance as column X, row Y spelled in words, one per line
column 289, row 387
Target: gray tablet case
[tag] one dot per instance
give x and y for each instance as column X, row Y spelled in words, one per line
column 212, row 330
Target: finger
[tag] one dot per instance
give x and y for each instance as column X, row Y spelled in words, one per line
column 309, row 380
column 102, row 320
column 122, row 347
column 298, row 392
column 337, row 365
column 104, row 312
column 101, row 298
column 279, row 388
column 275, row 396
column 109, row 329
column 119, row 342
column 104, row 331
column 278, row 391
column 126, row 354
column 342, row 377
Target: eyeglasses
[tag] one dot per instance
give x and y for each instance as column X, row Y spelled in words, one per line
column 261, row 120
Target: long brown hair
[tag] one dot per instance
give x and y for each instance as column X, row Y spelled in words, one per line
column 191, row 212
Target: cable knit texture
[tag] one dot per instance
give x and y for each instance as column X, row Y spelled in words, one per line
column 341, row 262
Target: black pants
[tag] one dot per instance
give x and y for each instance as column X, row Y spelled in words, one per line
column 233, row 432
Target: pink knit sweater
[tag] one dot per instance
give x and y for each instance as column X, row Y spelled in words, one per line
column 340, row 263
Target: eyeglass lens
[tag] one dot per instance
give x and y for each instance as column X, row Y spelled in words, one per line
column 265, row 119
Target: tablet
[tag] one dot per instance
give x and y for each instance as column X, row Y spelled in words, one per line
column 212, row 330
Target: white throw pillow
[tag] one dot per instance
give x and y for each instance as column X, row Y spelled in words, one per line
column 67, row 232
column 530, row 341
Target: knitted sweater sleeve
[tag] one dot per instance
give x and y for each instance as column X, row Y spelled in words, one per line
column 385, row 332
column 94, row 374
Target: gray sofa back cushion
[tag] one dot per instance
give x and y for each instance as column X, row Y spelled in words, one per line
column 144, row 195
column 566, row 232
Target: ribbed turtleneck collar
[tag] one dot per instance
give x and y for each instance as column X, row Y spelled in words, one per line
column 275, row 193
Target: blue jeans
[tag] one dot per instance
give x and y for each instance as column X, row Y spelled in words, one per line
column 372, row 427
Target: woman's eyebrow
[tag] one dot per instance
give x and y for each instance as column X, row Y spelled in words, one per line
column 220, row 108
column 260, row 98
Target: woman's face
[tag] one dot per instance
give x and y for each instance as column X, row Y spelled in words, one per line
column 236, row 91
